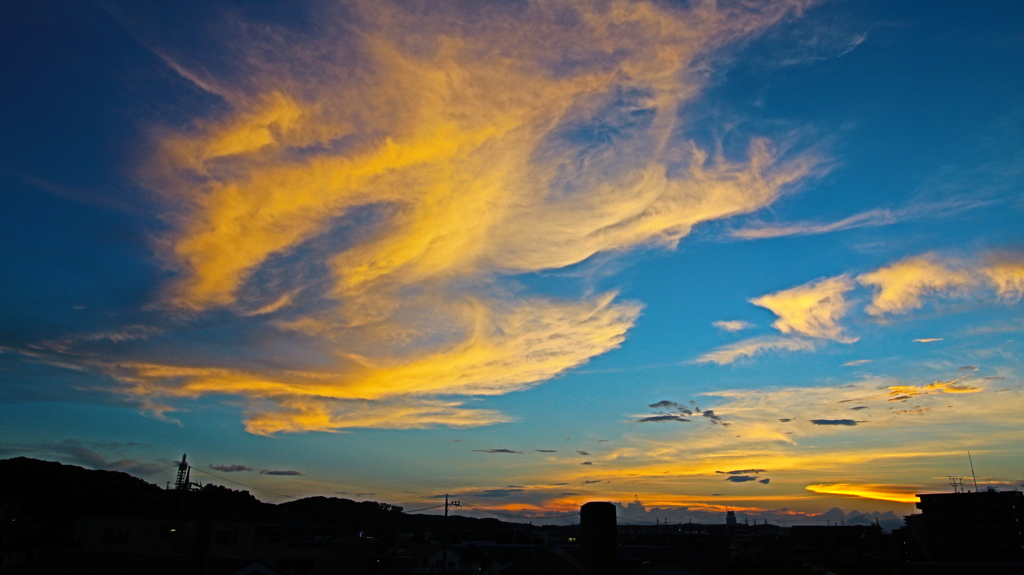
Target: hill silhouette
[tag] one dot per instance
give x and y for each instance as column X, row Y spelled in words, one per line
column 51, row 490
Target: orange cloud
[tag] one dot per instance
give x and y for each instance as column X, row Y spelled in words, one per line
column 906, row 391
column 881, row 492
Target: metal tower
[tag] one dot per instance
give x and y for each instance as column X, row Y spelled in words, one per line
column 183, row 483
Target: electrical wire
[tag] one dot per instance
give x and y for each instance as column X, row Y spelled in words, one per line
column 238, row 483
column 424, row 509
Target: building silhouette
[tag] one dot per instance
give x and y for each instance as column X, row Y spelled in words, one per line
column 981, row 528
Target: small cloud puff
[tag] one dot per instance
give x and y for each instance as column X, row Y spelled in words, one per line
column 496, row 451
column 732, row 325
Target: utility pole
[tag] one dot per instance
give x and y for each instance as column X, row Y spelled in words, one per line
column 447, row 504
column 975, row 477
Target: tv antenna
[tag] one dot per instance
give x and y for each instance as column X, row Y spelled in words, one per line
column 957, row 483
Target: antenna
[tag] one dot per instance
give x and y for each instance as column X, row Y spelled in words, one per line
column 182, row 483
column 957, row 483
column 972, row 472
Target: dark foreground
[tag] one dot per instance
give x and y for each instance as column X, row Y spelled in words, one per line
column 58, row 518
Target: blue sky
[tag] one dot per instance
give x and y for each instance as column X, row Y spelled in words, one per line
column 400, row 248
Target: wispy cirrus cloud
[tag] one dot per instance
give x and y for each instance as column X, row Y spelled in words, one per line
column 751, row 347
column 903, row 285
column 320, row 203
column 868, row 219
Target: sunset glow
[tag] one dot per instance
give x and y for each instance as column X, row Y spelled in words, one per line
column 759, row 256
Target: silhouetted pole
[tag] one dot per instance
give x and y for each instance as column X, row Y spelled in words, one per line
column 975, row 477
column 444, row 540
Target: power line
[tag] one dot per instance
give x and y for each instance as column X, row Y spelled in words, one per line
column 424, row 509
column 242, row 484
column 481, row 509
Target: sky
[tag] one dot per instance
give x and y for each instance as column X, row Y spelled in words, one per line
column 683, row 256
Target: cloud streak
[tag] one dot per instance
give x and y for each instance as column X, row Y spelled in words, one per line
column 281, row 472
column 233, row 468
column 755, row 346
column 868, row 219
column 880, row 492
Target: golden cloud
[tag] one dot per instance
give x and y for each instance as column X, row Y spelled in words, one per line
column 813, row 309
column 476, row 166
column 449, row 150
column 900, row 287
column 507, row 350
column 1006, row 274
column 898, row 392
column 816, row 308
